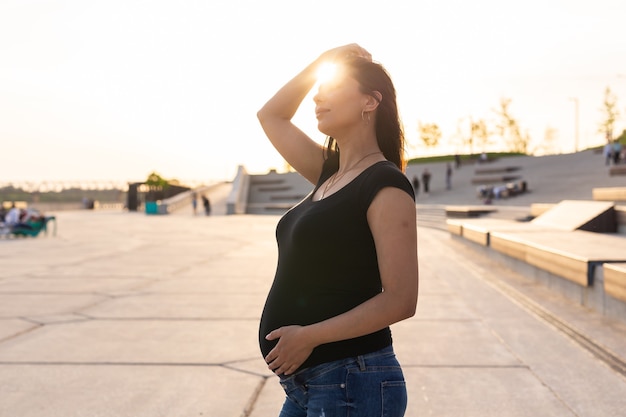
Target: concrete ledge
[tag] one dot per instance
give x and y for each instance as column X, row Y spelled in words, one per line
column 479, row 230
column 537, row 209
column 468, row 211
column 620, row 218
column 615, row 280
column 495, row 179
column 566, row 265
column 570, row 266
column 568, row 215
column 476, row 234
column 593, row 296
column 617, row 170
column 455, row 226
column 501, row 170
column 609, row 194
column 571, row 255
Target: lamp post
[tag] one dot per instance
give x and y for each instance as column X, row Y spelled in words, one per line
column 575, row 100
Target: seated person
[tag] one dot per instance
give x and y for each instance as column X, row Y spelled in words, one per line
column 13, row 216
column 19, row 218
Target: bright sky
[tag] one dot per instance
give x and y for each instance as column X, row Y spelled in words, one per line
column 116, row 89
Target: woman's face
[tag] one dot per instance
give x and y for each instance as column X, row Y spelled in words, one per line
column 338, row 105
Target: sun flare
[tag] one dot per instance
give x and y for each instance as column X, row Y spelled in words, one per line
column 326, row 72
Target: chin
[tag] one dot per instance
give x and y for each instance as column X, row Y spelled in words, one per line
column 322, row 129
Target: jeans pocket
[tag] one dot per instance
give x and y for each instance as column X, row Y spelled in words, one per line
column 377, row 392
column 394, row 398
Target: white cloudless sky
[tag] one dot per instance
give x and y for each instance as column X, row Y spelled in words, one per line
column 116, row 89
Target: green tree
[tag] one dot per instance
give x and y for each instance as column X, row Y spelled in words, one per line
column 480, row 133
column 464, row 135
column 610, row 112
column 550, row 139
column 155, row 187
column 509, row 130
column 156, row 181
column 472, row 132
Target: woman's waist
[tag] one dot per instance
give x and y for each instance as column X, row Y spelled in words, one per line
column 312, row 366
column 341, row 349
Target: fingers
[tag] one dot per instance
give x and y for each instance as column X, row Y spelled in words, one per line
column 280, row 363
column 272, row 335
column 362, row 52
column 282, row 369
column 347, row 51
column 290, row 352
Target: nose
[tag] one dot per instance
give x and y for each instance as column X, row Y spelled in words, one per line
column 319, row 96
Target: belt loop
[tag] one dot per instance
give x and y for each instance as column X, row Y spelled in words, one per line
column 361, row 360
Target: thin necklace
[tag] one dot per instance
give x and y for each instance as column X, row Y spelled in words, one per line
column 333, row 180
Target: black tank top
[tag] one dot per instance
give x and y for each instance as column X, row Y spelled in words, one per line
column 327, row 262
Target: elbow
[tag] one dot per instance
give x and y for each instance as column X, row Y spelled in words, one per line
column 261, row 115
column 406, row 308
column 410, row 306
column 409, row 311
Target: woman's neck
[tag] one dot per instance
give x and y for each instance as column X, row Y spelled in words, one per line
column 353, row 151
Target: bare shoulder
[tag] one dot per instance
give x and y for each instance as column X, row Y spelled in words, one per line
column 392, row 205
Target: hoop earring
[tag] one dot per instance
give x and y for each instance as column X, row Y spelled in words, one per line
column 367, row 122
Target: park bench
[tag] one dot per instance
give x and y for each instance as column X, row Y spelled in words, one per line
column 617, row 170
column 558, row 241
column 500, row 170
column 620, row 218
column 30, row 229
column 468, row 211
column 615, row 280
column 572, row 255
column 537, row 209
column 510, row 189
column 586, row 267
column 609, row 194
column 480, row 230
column 592, row 216
column 495, row 175
column 495, row 179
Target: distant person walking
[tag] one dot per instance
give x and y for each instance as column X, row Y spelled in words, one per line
column 194, row 202
column 207, row 205
column 617, row 152
column 448, row 176
column 426, row 180
column 416, row 185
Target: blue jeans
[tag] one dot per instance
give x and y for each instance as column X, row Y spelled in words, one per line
column 370, row 385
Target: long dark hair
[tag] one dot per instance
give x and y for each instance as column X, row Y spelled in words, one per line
column 372, row 77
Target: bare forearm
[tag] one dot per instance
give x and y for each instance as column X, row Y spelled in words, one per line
column 286, row 101
column 375, row 314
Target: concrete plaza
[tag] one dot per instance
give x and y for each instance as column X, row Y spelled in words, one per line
column 126, row 314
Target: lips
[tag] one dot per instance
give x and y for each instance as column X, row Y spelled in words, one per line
column 319, row 111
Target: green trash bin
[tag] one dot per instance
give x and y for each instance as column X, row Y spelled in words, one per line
column 152, row 207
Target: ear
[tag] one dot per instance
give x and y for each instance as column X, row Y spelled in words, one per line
column 372, row 102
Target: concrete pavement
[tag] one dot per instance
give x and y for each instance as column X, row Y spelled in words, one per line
column 124, row 314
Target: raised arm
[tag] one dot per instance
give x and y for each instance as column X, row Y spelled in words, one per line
column 298, row 149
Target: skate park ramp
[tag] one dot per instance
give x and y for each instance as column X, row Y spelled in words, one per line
column 570, row 215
